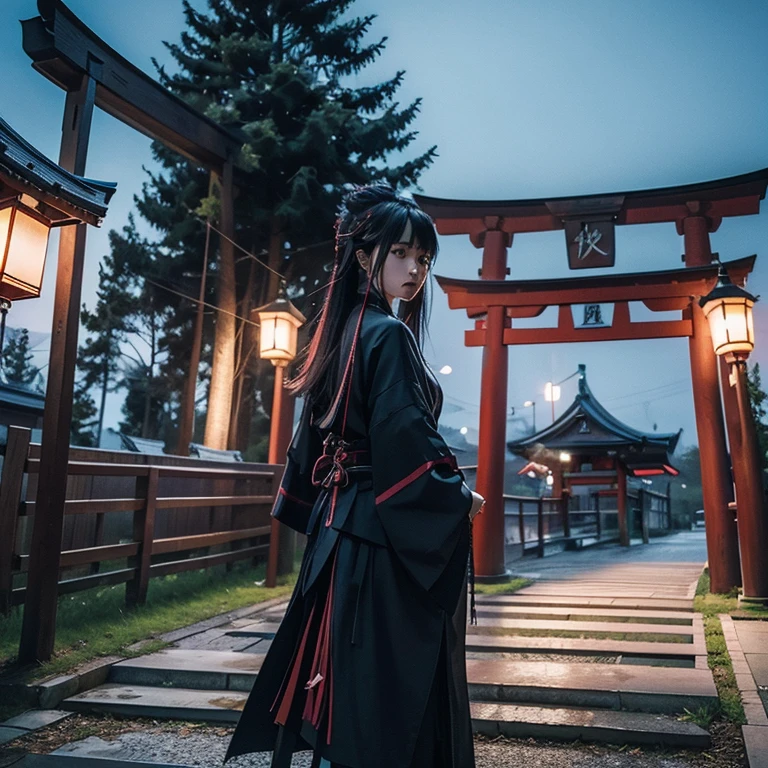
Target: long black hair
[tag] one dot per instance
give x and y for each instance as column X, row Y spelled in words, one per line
column 370, row 216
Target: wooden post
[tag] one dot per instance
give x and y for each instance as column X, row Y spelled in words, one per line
column 540, row 526
column 621, row 506
column 274, row 539
column 39, row 626
column 187, row 406
column 597, row 518
column 521, row 524
column 144, row 534
column 565, row 498
column 223, row 365
column 10, row 498
column 488, row 539
column 751, row 511
column 722, row 536
column 643, row 515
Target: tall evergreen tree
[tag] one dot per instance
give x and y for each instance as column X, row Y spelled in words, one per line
column 279, row 72
column 109, row 324
column 757, row 398
column 17, row 361
column 84, row 417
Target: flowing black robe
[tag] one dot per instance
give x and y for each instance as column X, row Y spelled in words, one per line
column 376, row 623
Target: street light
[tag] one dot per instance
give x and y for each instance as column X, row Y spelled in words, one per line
column 552, row 395
column 531, row 404
column 728, row 308
column 279, row 327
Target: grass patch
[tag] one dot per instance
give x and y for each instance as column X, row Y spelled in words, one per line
column 504, row 588
column 96, row 623
column 719, row 660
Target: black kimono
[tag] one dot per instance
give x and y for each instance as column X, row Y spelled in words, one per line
column 368, row 664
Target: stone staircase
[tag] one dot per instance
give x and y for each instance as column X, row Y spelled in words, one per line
column 631, row 661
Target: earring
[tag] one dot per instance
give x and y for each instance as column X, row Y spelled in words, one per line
column 363, row 259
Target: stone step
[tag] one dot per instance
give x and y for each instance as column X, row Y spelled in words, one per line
column 184, row 668
column 610, row 686
column 60, row 760
column 571, row 724
column 572, row 601
column 489, row 718
column 630, row 615
column 576, row 646
column 666, row 690
column 585, row 627
column 591, row 589
column 214, row 706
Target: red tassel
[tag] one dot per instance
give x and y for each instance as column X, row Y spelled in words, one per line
column 290, row 688
column 320, row 685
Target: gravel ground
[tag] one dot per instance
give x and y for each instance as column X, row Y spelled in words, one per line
column 204, row 746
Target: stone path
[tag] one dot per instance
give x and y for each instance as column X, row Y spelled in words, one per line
column 747, row 643
column 632, row 658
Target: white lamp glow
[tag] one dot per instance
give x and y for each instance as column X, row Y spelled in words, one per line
column 728, row 308
column 23, row 245
column 280, row 322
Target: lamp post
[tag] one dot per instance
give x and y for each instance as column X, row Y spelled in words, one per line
column 279, row 327
column 552, row 395
column 531, row 404
column 728, row 309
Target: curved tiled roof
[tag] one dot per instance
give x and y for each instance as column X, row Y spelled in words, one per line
column 22, row 165
column 586, row 424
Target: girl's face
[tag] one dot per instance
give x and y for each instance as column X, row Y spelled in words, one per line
column 405, row 270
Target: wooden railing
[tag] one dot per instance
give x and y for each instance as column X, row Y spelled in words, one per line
column 533, row 522
column 170, row 518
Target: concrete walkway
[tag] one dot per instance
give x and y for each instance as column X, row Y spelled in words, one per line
column 603, row 647
column 747, row 643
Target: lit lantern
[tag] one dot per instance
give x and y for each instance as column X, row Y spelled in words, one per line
column 728, row 308
column 280, row 322
column 23, row 245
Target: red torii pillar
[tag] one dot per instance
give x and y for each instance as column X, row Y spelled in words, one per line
column 716, row 486
column 488, row 528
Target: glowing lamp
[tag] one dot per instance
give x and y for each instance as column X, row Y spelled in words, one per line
column 23, row 245
column 565, row 457
column 280, row 322
column 551, row 392
column 728, row 308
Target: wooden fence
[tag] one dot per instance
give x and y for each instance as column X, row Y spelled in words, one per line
column 533, row 522
column 132, row 517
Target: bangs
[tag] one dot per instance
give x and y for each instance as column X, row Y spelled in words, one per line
column 422, row 231
column 391, row 220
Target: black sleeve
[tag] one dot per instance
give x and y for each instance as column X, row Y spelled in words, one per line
column 296, row 495
column 421, row 499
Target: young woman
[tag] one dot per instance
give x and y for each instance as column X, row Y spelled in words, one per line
column 367, row 669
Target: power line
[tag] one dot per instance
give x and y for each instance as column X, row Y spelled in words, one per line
column 203, row 303
column 645, row 391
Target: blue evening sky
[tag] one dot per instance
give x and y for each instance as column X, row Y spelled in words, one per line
column 524, row 98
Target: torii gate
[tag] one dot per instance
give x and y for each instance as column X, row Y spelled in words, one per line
column 696, row 210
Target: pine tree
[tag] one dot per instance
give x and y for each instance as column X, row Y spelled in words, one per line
column 84, row 421
column 278, row 72
column 109, row 324
column 757, row 398
column 17, row 361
